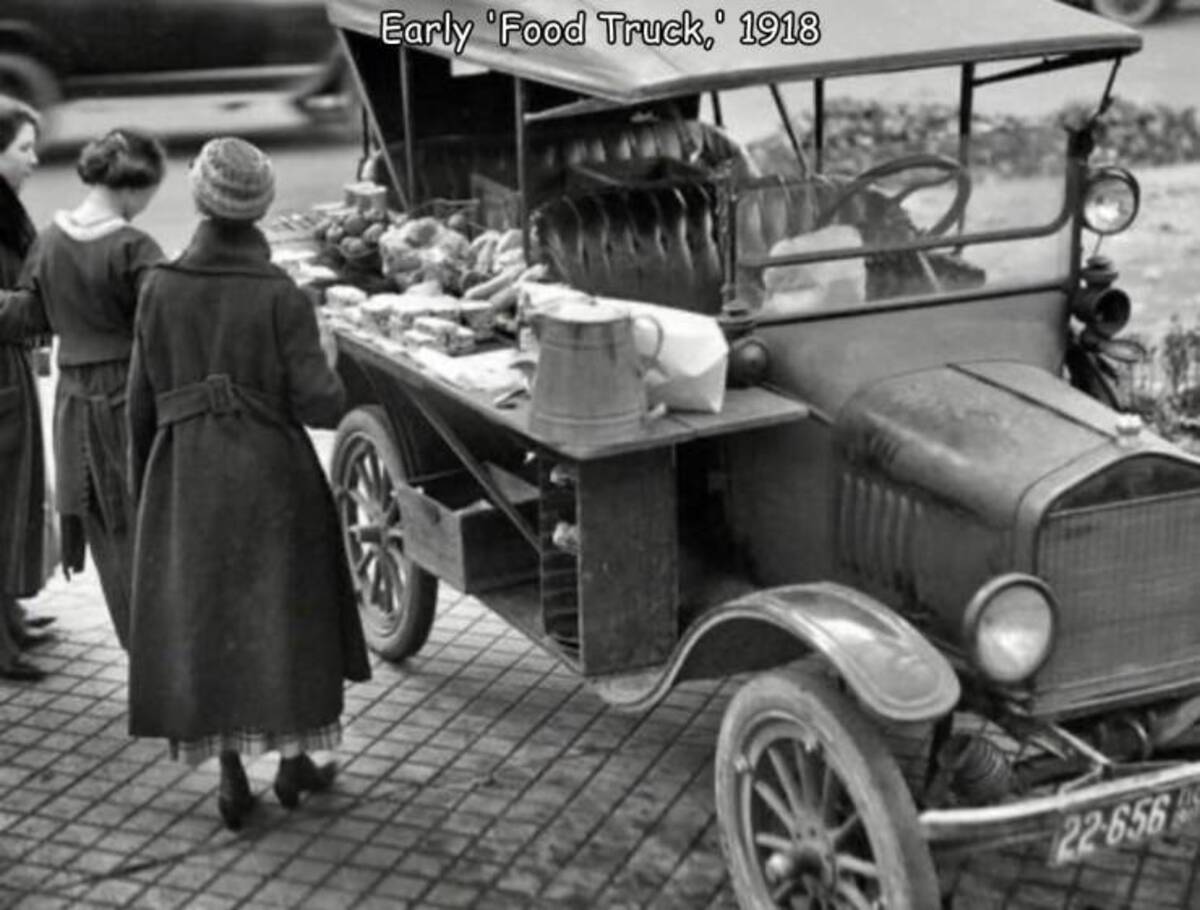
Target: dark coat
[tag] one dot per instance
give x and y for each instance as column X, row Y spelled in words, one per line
column 22, row 462
column 244, row 615
column 83, row 283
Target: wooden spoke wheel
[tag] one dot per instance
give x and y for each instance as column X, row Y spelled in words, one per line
column 814, row 812
column 396, row 598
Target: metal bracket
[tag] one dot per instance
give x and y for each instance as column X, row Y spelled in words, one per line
column 475, row 467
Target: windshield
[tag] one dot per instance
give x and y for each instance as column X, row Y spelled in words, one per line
column 894, row 174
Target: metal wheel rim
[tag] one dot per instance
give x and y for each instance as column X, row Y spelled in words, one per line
column 798, row 827
column 369, row 512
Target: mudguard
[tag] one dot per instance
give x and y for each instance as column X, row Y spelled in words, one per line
column 890, row 667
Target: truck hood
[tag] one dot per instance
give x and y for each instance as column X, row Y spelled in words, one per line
column 974, row 436
column 949, row 477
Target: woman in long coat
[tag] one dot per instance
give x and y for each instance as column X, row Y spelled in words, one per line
column 22, row 467
column 244, row 622
column 82, row 278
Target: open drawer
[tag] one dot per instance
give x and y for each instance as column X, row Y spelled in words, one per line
column 453, row 531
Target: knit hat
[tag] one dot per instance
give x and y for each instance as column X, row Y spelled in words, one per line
column 232, row 179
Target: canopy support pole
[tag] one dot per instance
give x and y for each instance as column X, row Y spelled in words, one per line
column 371, row 126
column 805, row 169
column 519, row 102
column 966, row 114
column 410, row 172
column 966, row 111
column 819, row 124
column 1050, row 65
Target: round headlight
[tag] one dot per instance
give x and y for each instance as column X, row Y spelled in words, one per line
column 1009, row 627
column 1110, row 200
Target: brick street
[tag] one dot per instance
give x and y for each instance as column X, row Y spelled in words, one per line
column 481, row 774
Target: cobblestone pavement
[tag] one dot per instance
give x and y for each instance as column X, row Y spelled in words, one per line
column 481, row 774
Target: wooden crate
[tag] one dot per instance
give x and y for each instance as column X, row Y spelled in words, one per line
column 451, row 530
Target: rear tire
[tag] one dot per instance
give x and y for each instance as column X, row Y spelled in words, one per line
column 1131, row 12
column 396, row 598
column 28, row 79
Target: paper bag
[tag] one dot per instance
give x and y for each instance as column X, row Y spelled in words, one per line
column 688, row 373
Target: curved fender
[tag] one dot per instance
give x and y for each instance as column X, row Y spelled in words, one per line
column 888, row 664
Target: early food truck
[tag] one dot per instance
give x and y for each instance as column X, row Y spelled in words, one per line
column 958, row 580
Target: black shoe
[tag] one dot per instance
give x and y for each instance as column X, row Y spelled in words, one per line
column 22, row 670
column 26, row 639
column 234, row 799
column 300, row 774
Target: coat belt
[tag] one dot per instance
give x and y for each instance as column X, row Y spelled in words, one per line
column 217, row 394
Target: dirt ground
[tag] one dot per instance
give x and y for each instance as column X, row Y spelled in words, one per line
column 1159, row 257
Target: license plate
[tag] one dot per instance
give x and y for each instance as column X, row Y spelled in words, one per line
column 1120, row 824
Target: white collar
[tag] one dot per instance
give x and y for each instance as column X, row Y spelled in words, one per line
column 88, row 231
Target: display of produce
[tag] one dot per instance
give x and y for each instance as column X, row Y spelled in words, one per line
column 419, row 280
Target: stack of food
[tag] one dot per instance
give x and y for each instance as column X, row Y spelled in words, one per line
column 351, row 236
column 440, row 288
column 488, row 268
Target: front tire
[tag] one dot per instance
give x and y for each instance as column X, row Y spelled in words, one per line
column 396, row 598
column 813, row 809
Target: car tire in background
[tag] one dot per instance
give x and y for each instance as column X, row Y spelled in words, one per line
column 29, row 79
column 1132, row 12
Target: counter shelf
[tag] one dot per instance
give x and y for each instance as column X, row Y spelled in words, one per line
column 591, row 538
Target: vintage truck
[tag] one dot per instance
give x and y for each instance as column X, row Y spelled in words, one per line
column 959, row 578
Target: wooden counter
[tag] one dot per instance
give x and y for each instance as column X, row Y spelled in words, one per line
column 744, row 409
column 607, row 590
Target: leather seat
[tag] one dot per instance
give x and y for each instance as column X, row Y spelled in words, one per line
column 662, row 243
column 444, row 166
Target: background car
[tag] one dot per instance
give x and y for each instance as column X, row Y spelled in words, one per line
column 57, row 50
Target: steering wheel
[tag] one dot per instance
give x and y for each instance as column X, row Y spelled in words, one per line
column 950, row 168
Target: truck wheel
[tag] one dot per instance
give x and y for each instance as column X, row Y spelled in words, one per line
column 812, row 807
column 396, row 598
column 1130, row 12
column 29, row 80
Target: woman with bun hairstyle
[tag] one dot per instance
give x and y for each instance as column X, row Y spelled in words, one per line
column 22, row 464
column 82, row 279
column 244, row 617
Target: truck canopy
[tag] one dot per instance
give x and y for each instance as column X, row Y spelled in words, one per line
column 857, row 37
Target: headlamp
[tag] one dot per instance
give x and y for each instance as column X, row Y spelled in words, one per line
column 1110, row 200
column 1009, row 627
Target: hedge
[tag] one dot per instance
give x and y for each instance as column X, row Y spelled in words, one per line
column 861, row 133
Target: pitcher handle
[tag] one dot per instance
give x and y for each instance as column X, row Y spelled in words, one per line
column 651, row 360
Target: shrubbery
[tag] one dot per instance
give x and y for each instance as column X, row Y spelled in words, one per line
column 859, row 134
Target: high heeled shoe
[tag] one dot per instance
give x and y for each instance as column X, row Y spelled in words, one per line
column 300, row 774
column 234, row 799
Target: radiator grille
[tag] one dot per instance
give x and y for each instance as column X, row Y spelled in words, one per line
column 1127, row 580
column 875, row 532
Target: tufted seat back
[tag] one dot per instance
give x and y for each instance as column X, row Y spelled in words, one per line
column 661, row 243
column 443, row 166
column 657, row 244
